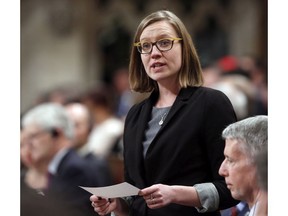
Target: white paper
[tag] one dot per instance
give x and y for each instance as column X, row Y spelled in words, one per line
column 119, row 190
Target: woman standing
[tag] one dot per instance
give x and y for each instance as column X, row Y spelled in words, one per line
column 172, row 140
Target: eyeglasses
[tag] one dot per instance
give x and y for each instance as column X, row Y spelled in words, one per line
column 162, row 45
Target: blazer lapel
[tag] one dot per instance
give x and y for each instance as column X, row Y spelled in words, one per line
column 143, row 119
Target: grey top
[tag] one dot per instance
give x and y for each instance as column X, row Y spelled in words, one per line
column 158, row 116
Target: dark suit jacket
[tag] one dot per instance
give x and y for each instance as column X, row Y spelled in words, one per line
column 34, row 204
column 187, row 150
column 73, row 171
column 100, row 170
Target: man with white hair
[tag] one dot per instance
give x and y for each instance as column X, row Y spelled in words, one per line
column 245, row 141
column 49, row 132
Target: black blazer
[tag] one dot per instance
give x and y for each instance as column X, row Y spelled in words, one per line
column 187, row 150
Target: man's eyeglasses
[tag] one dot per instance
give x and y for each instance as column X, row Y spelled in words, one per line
column 162, row 45
column 38, row 134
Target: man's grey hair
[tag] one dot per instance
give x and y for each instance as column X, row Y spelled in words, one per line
column 252, row 134
column 49, row 116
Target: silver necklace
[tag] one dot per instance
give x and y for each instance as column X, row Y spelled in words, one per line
column 162, row 119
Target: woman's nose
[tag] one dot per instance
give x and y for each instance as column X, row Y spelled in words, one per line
column 155, row 51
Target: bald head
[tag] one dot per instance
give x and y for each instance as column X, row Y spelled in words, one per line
column 82, row 123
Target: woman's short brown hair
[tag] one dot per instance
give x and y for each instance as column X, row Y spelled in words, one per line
column 190, row 73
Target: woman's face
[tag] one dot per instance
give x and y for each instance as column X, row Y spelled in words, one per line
column 162, row 66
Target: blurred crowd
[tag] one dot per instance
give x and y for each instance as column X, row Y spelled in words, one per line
column 243, row 79
column 57, row 158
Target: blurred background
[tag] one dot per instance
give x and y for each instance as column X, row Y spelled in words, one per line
column 70, row 45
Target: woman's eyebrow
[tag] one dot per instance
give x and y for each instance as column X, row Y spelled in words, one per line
column 158, row 37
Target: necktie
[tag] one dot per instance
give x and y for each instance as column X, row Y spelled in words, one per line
column 234, row 211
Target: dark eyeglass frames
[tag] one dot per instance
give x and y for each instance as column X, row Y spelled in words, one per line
column 162, row 45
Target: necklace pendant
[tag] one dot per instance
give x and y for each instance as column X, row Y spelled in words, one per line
column 162, row 119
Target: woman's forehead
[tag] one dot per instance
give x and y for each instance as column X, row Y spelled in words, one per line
column 157, row 29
